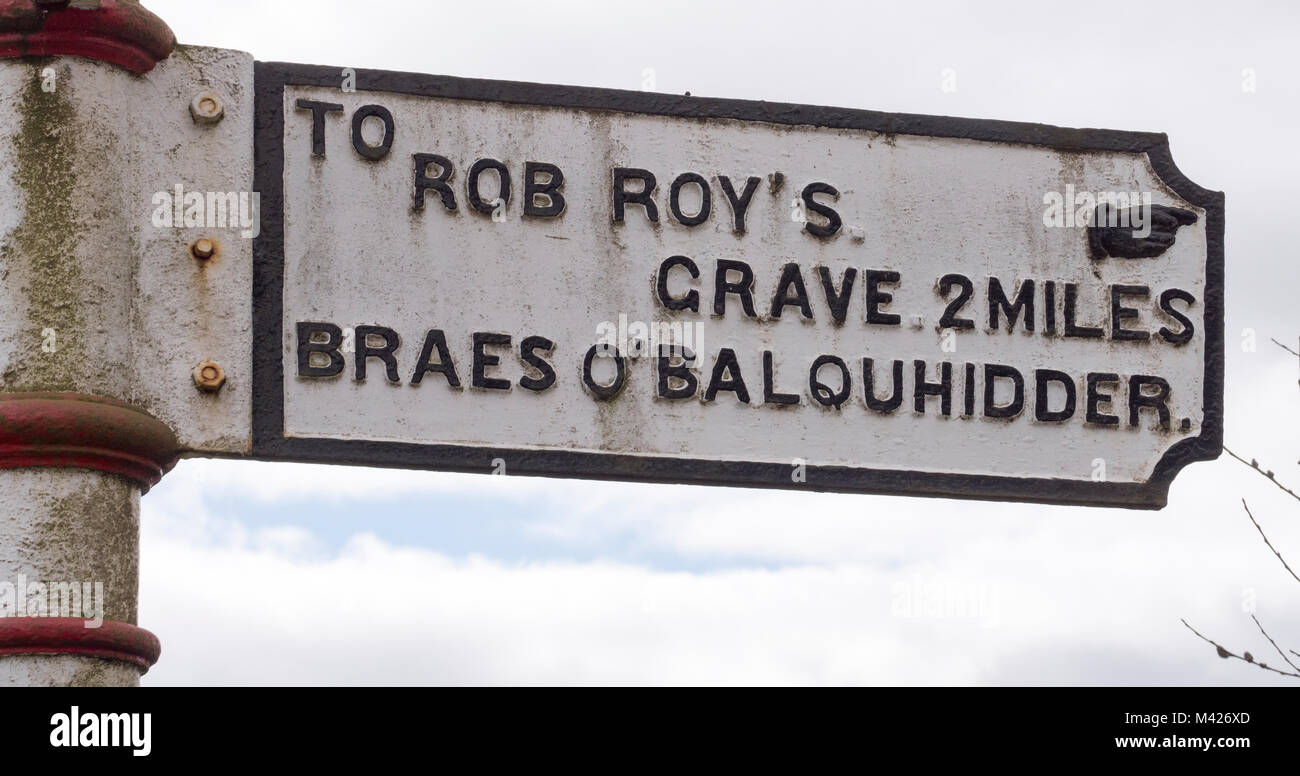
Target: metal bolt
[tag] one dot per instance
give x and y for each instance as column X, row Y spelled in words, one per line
column 207, row 108
column 209, row 376
column 203, row 249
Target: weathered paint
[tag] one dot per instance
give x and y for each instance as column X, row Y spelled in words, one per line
column 40, row 254
column 67, row 525
column 66, row 671
column 100, row 409
column 60, row 429
column 50, row 635
column 132, row 310
column 121, row 32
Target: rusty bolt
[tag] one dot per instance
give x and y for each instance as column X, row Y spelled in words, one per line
column 203, row 249
column 209, row 376
column 207, row 108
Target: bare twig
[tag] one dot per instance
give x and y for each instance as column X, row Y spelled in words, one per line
column 1226, row 653
column 1247, row 657
column 1268, row 475
column 1266, row 541
column 1274, row 643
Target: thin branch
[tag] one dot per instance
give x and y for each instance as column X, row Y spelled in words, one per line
column 1252, row 463
column 1274, row 643
column 1284, row 347
column 1225, row 653
column 1266, row 541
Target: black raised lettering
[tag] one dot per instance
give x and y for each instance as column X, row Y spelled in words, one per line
column 742, row 288
column 875, row 297
column 692, row 299
column 739, row 205
column 833, row 222
column 1042, row 377
column 1095, row 398
column 1157, row 401
column 942, row 389
column 822, row 392
column 1071, row 328
column 949, row 319
column 1049, row 307
column 528, row 349
column 1184, row 334
column 838, row 301
column 549, row 190
column 365, row 150
column 993, row 373
column 895, row 399
column 726, row 377
column 791, row 280
column 483, row 360
column 330, row 348
column 435, row 340
column 472, row 185
column 644, row 197
column 668, row 371
column 318, row 111
column 770, row 395
column 365, row 351
column 604, row 392
column 1024, row 303
column 438, row 183
column 968, row 390
column 674, row 199
column 1119, row 313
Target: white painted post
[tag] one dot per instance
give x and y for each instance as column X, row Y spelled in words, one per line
column 65, row 526
column 75, row 449
column 125, row 337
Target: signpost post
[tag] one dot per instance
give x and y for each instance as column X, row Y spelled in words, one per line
column 319, row 264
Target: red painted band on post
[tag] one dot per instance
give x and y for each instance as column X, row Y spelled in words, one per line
column 90, row 432
column 121, row 32
column 69, row 636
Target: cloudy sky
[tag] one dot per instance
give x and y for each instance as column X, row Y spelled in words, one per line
column 274, row 573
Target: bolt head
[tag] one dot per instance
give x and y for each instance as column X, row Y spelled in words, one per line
column 203, row 248
column 207, row 108
column 209, row 376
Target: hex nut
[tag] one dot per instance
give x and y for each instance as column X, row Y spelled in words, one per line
column 209, row 376
column 207, row 108
column 203, row 248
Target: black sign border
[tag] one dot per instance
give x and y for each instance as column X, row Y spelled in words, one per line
column 270, row 443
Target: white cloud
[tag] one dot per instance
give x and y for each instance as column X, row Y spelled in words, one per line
column 948, row 595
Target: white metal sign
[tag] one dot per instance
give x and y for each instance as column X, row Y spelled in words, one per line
column 520, row 279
